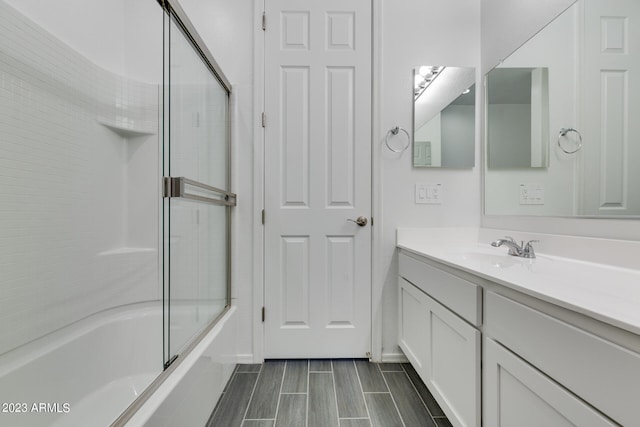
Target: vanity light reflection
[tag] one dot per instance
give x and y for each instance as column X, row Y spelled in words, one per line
column 444, row 117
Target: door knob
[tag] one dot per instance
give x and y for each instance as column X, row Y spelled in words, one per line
column 361, row 221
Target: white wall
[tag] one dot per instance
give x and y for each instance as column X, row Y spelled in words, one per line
column 95, row 29
column 414, row 32
column 507, row 24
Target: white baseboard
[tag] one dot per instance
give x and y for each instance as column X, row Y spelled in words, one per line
column 394, row 358
column 245, row 359
column 386, row 358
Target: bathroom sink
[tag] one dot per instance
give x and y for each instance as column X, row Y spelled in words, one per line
column 495, row 260
column 586, row 284
column 493, row 257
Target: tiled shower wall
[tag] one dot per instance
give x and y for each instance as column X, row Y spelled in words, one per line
column 79, row 195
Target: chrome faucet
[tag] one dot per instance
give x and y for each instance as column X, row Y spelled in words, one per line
column 515, row 249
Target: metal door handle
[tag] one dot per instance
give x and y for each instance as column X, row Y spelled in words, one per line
column 361, row 221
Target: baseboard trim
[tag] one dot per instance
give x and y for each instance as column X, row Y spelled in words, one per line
column 394, row 358
column 245, row 359
column 386, row 358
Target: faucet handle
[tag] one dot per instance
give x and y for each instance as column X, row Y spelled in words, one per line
column 528, row 251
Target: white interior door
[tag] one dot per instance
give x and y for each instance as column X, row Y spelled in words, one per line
column 611, row 129
column 317, row 178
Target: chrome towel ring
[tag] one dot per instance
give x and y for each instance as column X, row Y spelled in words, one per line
column 563, row 133
column 394, row 131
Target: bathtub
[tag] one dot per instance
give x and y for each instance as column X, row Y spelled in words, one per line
column 51, row 381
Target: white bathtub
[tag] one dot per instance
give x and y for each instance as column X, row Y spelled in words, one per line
column 52, row 381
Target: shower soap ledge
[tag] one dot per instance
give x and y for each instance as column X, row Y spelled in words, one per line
column 125, row 131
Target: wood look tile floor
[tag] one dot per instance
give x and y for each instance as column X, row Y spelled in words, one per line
column 326, row 393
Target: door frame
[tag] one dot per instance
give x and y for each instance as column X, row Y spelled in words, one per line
column 377, row 272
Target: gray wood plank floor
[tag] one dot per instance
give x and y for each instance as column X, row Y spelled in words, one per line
column 326, row 393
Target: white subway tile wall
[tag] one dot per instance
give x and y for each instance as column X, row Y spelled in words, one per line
column 79, row 194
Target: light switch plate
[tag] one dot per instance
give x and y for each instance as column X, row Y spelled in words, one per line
column 532, row 194
column 428, row 193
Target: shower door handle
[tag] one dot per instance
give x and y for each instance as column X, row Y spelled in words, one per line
column 174, row 187
column 361, row 221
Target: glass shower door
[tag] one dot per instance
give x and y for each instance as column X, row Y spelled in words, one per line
column 197, row 198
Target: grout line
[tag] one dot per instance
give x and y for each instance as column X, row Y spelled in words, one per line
column 253, row 390
column 284, row 372
column 401, row 369
column 416, row 390
column 222, row 395
column 362, row 391
column 306, row 421
column 335, row 392
column 393, row 399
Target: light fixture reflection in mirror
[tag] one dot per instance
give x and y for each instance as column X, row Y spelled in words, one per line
column 444, row 117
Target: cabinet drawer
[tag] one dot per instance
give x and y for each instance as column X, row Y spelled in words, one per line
column 516, row 394
column 600, row 372
column 460, row 296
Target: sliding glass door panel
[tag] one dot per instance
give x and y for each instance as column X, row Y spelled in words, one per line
column 196, row 189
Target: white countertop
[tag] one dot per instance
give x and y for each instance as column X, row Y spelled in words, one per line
column 608, row 293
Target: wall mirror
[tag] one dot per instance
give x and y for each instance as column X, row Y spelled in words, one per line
column 444, row 117
column 517, row 117
column 585, row 65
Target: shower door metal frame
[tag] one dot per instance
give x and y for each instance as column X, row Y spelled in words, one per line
column 174, row 11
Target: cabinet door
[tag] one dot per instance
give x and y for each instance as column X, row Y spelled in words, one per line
column 413, row 321
column 445, row 351
column 516, row 394
column 453, row 368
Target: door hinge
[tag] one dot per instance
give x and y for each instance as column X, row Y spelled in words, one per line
column 264, row 120
column 264, row 21
column 263, row 314
column 262, row 216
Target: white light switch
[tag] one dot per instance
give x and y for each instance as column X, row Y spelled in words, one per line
column 531, row 194
column 428, row 193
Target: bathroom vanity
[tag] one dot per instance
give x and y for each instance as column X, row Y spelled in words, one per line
column 507, row 341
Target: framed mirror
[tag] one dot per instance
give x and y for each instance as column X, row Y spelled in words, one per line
column 588, row 55
column 444, row 117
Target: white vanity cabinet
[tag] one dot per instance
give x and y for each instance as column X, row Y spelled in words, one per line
column 575, row 369
column 516, row 394
column 443, row 347
column 542, row 364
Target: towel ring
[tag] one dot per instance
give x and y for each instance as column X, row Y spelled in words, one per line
column 563, row 133
column 394, row 131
